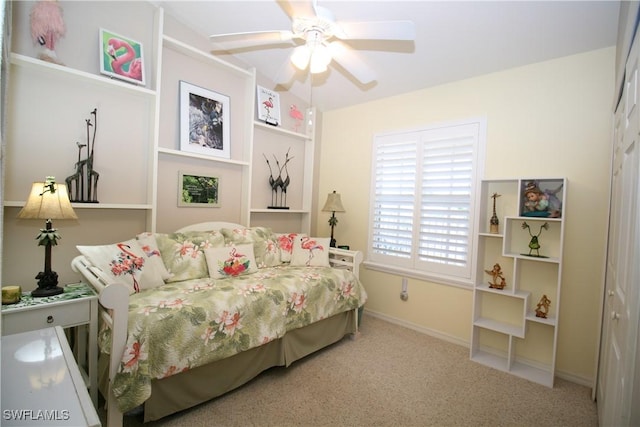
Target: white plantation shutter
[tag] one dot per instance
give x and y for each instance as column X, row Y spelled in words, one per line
column 422, row 212
column 394, row 197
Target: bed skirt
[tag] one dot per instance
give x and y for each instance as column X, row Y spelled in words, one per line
column 187, row 389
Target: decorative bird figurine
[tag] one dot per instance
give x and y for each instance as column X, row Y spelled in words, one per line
column 47, row 26
column 297, row 115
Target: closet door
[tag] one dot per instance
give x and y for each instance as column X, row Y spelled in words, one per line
column 622, row 288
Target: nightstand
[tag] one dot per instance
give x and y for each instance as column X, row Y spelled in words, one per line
column 76, row 306
column 41, row 383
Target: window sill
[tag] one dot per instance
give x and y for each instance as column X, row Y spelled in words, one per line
column 421, row 275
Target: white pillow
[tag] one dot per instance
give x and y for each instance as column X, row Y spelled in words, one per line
column 310, row 251
column 149, row 245
column 230, row 261
column 125, row 262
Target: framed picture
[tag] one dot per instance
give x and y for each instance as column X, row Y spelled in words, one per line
column 121, row 57
column 268, row 106
column 204, row 121
column 198, row 190
column 541, row 198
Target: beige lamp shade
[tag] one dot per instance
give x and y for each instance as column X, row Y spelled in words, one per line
column 333, row 203
column 48, row 200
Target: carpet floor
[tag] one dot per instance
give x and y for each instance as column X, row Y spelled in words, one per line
column 390, row 376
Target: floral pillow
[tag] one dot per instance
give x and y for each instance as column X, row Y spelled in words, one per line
column 148, row 244
column 285, row 244
column 310, row 251
column 230, row 261
column 183, row 253
column 265, row 246
column 125, row 262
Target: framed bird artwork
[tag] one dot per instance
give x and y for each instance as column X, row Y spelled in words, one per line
column 121, row 57
column 268, row 106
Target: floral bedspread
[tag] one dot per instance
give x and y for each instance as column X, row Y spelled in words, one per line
column 183, row 325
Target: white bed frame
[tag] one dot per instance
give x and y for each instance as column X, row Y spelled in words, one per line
column 114, row 303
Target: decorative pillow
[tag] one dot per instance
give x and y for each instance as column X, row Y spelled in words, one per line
column 125, row 262
column 229, row 261
column 183, row 253
column 311, row 251
column 285, row 244
column 265, row 246
column 149, row 246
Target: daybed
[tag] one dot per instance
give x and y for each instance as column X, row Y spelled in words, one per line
column 190, row 315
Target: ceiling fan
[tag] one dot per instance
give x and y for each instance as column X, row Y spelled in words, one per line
column 319, row 38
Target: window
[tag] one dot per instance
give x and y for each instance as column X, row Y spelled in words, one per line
column 423, row 190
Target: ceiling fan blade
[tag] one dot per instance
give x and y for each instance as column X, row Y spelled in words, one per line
column 377, row 30
column 298, row 9
column 350, row 61
column 251, row 38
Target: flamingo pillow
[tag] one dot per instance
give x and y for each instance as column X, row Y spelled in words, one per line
column 230, row 261
column 310, row 251
column 285, row 243
column 125, row 262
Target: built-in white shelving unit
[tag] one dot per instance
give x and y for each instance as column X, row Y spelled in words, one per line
column 506, row 332
column 138, row 151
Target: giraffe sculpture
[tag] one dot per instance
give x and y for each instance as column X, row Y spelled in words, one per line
column 83, row 184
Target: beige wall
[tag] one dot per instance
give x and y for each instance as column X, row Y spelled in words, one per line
column 551, row 119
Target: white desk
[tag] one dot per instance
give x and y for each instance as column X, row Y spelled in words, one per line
column 41, row 382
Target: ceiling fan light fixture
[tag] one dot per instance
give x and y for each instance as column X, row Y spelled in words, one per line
column 320, row 59
column 300, row 57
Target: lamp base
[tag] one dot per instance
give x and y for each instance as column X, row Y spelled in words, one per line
column 332, row 243
column 47, row 285
column 46, row 292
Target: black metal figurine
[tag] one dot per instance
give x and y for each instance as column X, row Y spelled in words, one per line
column 83, row 184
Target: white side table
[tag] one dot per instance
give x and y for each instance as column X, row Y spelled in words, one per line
column 76, row 306
column 41, row 383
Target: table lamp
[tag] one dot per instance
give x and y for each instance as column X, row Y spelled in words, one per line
column 333, row 205
column 47, row 200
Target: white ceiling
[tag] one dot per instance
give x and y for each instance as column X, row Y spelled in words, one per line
column 454, row 40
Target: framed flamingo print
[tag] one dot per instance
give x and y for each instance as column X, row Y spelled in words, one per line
column 268, row 106
column 121, row 57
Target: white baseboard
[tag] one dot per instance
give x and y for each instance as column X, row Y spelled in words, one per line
column 418, row 328
column 577, row 379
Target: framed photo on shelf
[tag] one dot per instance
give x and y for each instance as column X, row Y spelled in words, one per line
column 198, row 190
column 268, row 106
column 541, row 198
column 204, row 121
column 121, row 57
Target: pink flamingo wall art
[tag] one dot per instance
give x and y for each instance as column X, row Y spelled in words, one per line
column 268, row 105
column 47, row 26
column 122, row 58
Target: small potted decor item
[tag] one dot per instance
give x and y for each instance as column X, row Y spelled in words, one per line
column 11, row 294
column 542, row 309
column 497, row 279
